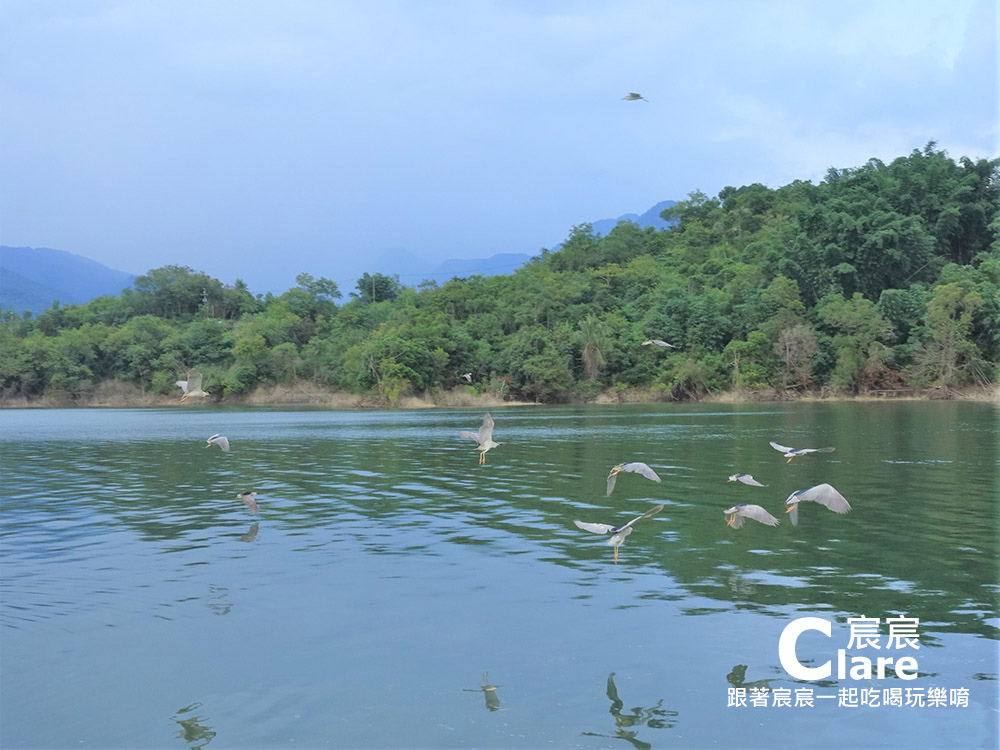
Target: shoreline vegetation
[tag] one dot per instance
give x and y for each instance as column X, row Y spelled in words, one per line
column 118, row 394
column 882, row 281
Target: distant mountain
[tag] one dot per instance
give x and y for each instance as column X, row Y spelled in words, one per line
column 33, row 278
column 651, row 218
column 413, row 269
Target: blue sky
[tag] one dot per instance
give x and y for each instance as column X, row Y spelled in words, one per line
column 261, row 139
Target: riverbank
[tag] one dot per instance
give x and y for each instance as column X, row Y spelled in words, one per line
column 113, row 394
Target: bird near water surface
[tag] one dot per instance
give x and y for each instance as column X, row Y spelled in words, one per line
column 248, row 498
column 736, row 514
column 824, row 494
column 618, row 533
column 637, row 468
column 791, row 453
column 220, row 440
column 484, row 437
column 192, row 386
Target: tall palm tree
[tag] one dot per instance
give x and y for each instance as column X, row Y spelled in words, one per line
column 594, row 338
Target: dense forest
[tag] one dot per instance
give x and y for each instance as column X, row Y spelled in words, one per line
column 880, row 277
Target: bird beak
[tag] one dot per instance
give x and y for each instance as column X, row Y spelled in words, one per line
column 208, row 445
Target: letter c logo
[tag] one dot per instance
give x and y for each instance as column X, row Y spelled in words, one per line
column 786, row 648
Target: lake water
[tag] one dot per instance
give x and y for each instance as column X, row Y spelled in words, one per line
column 394, row 593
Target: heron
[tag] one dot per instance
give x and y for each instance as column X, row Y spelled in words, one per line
column 736, row 514
column 484, row 437
column 632, row 96
column 618, row 533
column 489, row 692
column 220, row 440
column 192, row 386
column 467, row 376
column 824, row 494
column 791, row 453
column 248, row 499
column 746, row 479
column 659, row 342
column 637, row 468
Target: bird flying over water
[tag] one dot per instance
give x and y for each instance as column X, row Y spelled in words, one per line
column 746, row 479
column 484, row 437
column 248, row 499
column 736, row 514
column 220, row 440
column 824, row 494
column 791, row 453
column 632, row 96
column 618, row 533
column 637, row 468
column 191, row 386
column 658, row 342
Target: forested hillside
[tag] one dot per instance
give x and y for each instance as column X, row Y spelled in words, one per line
column 879, row 277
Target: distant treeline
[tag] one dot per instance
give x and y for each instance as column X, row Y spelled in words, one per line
column 879, row 277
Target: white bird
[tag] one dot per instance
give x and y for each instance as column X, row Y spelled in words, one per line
column 248, row 499
column 659, row 342
column 220, row 440
column 192, row 386
column 736, row 514
column 824, row 494
column 791, row 453
column 467, row 376
column 632, row 96
column 484, row 437
column 637, row 468
column 618, row 533
column 746, row 479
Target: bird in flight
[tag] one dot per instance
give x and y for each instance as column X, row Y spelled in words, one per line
column 192, row 386
column 659, row 342
column 632, row 96
column 736, row 514
column 484, row 437
column 618, row 533
column 824, row 494
column 220, row 440
column 637, row 468
column 791, row 453
column 746, row 479
column 248, row 499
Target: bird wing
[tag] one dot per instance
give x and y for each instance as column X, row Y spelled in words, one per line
column 825, row 494
column 183, row 385
column 486, row 431
column 612, row 478
column 597, row 528
column 651, row 512
column 250, row 503
column 640, row 468
column 782, row 448
column 757, row 513
column 193, row 381
column 816, row 450
column 793, row 515
column 469, row 435
column 747, row 479
column 220, row 440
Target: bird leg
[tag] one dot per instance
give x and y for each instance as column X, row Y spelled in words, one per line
column 789, row 460
column 790, row 509
column 730, row 521
column 482, row 458
column 616, row 554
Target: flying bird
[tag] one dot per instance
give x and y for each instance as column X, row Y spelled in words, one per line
column 791, row 453
column 824, row 494
column 467, row 376
column 632, row 96
column 248, row 499
column 618, row 533
column 220, row 440
column 192, row 386
column 659, row 342
column 746, row 479
column 484, row 437
column 637, row 468
column 736, row 514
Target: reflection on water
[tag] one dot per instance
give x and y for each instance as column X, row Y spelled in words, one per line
column 654, row 717
column 489, row 693
column 193, row 730
column 386, row 551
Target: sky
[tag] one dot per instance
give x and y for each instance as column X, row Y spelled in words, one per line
column 258, row 140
